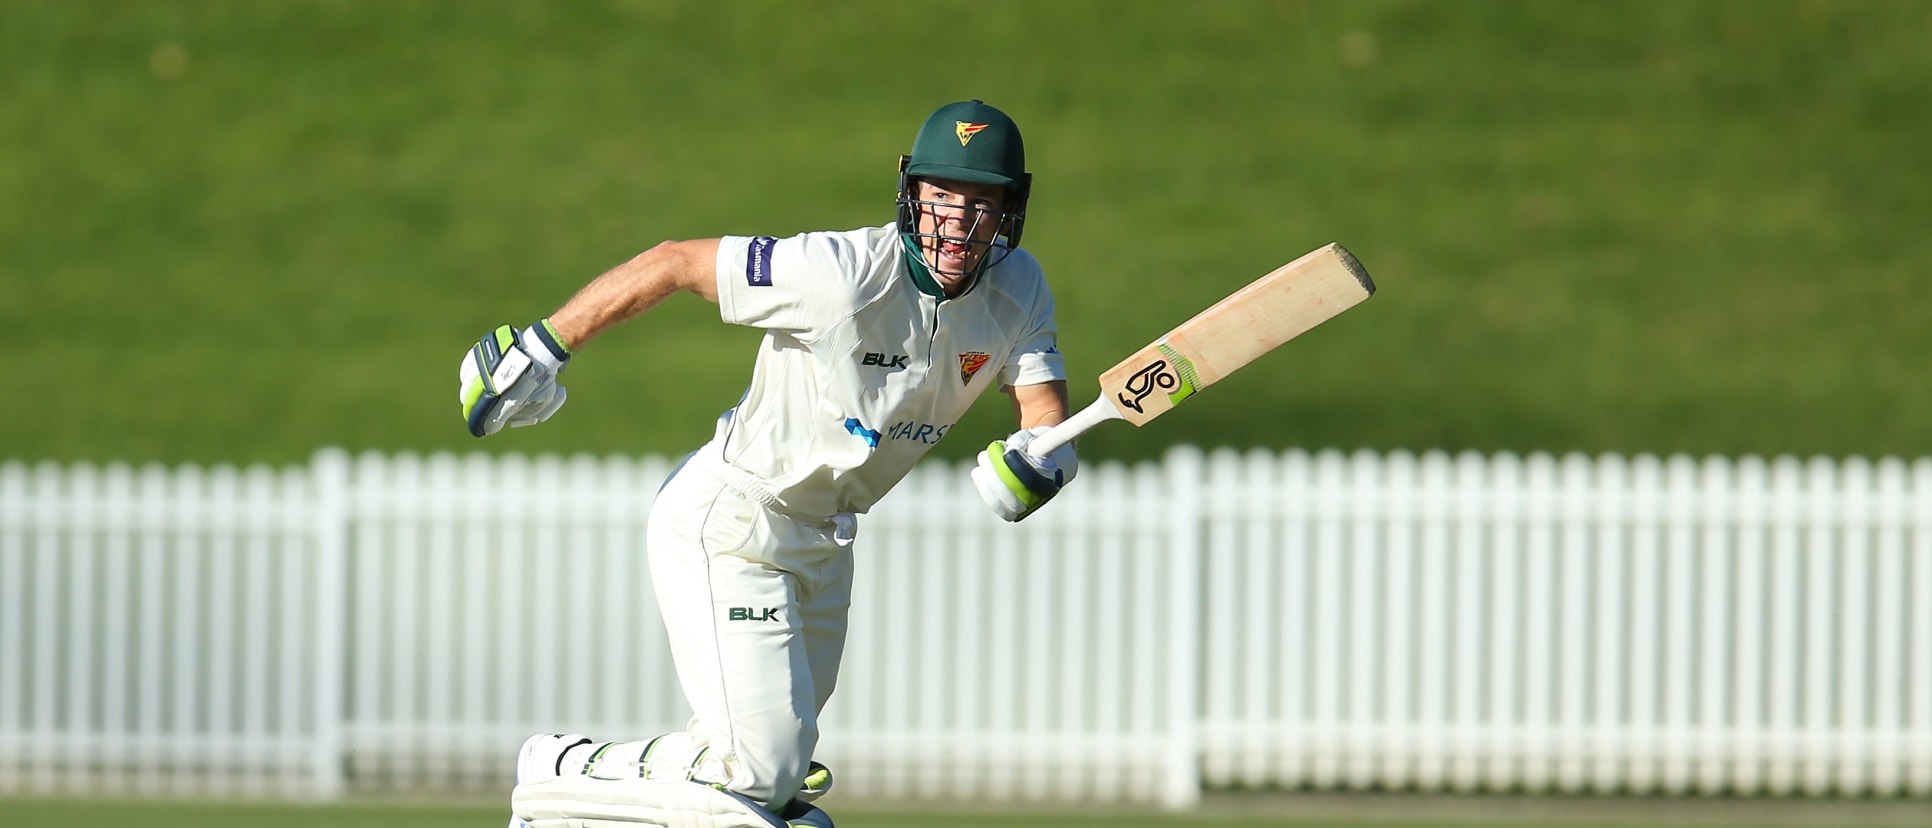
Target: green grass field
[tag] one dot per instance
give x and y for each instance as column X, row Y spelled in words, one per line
column 238, row 231
column 1317, row 812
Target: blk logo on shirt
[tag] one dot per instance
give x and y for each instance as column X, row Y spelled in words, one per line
column 753, row 614
column 888, row 362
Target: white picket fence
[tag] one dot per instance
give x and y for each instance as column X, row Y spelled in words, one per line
column 1288, row 620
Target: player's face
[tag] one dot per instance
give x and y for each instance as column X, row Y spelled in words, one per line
column 957, row 223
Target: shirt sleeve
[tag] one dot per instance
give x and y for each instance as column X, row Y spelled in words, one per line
column 784, row 284
column 1036, row 355
column 1038, row 361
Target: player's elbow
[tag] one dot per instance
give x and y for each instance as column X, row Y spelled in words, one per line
column 684, row 265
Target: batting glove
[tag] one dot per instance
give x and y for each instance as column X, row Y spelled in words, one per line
column 509, row 378
column 1013, row 482
column 818, row 782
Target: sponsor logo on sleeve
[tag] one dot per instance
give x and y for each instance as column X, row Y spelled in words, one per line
column 758, row 262
column 969, row 364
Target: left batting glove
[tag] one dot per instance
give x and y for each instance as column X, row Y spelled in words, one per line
column 509, row 378
column 1014, row 483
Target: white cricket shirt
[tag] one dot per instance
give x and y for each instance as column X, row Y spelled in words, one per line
column 861, row 371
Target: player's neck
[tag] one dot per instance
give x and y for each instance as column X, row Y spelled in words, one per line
column 922, row 277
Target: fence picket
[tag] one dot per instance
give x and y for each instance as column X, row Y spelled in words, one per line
column 1854, row 606
column 1611, row 745
column 1434, row 676
column 1918, row 737
column 1786, row 683
column 1713, row 616
column 1820, row 653
column 1750, row 619
column 1576, row 492
column 1395, row 748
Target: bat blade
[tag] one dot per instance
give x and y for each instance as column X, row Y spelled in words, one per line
column 1216, row 342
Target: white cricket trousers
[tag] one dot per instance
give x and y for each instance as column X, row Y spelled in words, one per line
column 754, row 601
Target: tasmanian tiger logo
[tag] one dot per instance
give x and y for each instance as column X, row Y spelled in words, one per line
column 969, row 364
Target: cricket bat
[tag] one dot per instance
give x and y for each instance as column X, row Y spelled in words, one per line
column 1252, row 321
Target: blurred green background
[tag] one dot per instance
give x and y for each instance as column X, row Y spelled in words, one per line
column 239, row 231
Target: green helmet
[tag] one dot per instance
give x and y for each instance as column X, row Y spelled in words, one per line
column 970, row 141
column 974, row 142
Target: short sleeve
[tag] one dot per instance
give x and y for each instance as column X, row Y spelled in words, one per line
column 1036, row 352
column 782, row 284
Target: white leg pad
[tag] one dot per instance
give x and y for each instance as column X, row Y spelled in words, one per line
column 573, row 801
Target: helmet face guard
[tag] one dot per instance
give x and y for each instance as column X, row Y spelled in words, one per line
column 972, row 142
column 1009, row 223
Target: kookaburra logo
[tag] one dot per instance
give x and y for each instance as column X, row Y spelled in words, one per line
column 1144, row 381
column 1174, row 375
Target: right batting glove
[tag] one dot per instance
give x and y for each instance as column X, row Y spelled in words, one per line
column 1013, row 482
column 509, row 378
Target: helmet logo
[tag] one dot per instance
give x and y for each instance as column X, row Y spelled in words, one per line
column 966, row 131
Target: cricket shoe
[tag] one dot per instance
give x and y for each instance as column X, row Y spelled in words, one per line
column 573, row 801
column 542, row 755
column 541, row 758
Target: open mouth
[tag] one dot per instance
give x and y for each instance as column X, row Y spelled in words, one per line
column 952, row 252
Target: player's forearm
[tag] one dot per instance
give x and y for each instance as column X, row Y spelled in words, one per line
column 612, row 298
column 1044, row 404
column 636, row 286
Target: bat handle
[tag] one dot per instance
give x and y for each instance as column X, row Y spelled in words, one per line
column 1096, row 412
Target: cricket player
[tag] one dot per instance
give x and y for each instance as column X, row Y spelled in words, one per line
column 876, row 342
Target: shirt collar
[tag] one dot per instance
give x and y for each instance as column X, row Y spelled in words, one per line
column 922, row 277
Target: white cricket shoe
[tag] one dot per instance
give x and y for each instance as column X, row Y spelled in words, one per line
column 542, row 756
column 589, row 801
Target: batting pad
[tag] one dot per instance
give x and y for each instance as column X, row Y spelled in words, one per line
column 574, row 801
